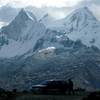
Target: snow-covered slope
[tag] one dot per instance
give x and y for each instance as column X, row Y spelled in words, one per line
column 16, row 27
column 80, row 25
column 24, row 31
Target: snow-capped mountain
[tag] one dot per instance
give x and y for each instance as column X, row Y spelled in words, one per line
column 66, row 48
column 80, row 24
column 23, row 32
column 16, row 27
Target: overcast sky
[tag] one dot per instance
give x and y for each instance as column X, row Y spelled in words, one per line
column 51, row 3
column 94, row 5
column 39, row 3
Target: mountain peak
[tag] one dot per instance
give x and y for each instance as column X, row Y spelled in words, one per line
column 22, row 10
column 26, row 15
column 23, row 20
column 22, row 14
column 81, row 16
column 85, row 8
column 85, row 12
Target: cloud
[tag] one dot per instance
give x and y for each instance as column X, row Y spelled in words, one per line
column 40, row 3
column 97, row 2
column 95, row 9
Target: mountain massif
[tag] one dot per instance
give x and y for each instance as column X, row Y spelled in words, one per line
column 34, row 50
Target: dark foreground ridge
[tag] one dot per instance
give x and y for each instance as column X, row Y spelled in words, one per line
column 28, row 95
column 31, row 96
column 50, row 90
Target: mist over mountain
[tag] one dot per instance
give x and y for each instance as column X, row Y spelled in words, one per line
column 7, row 13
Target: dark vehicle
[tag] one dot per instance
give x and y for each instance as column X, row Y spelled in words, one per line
column 51, row 86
